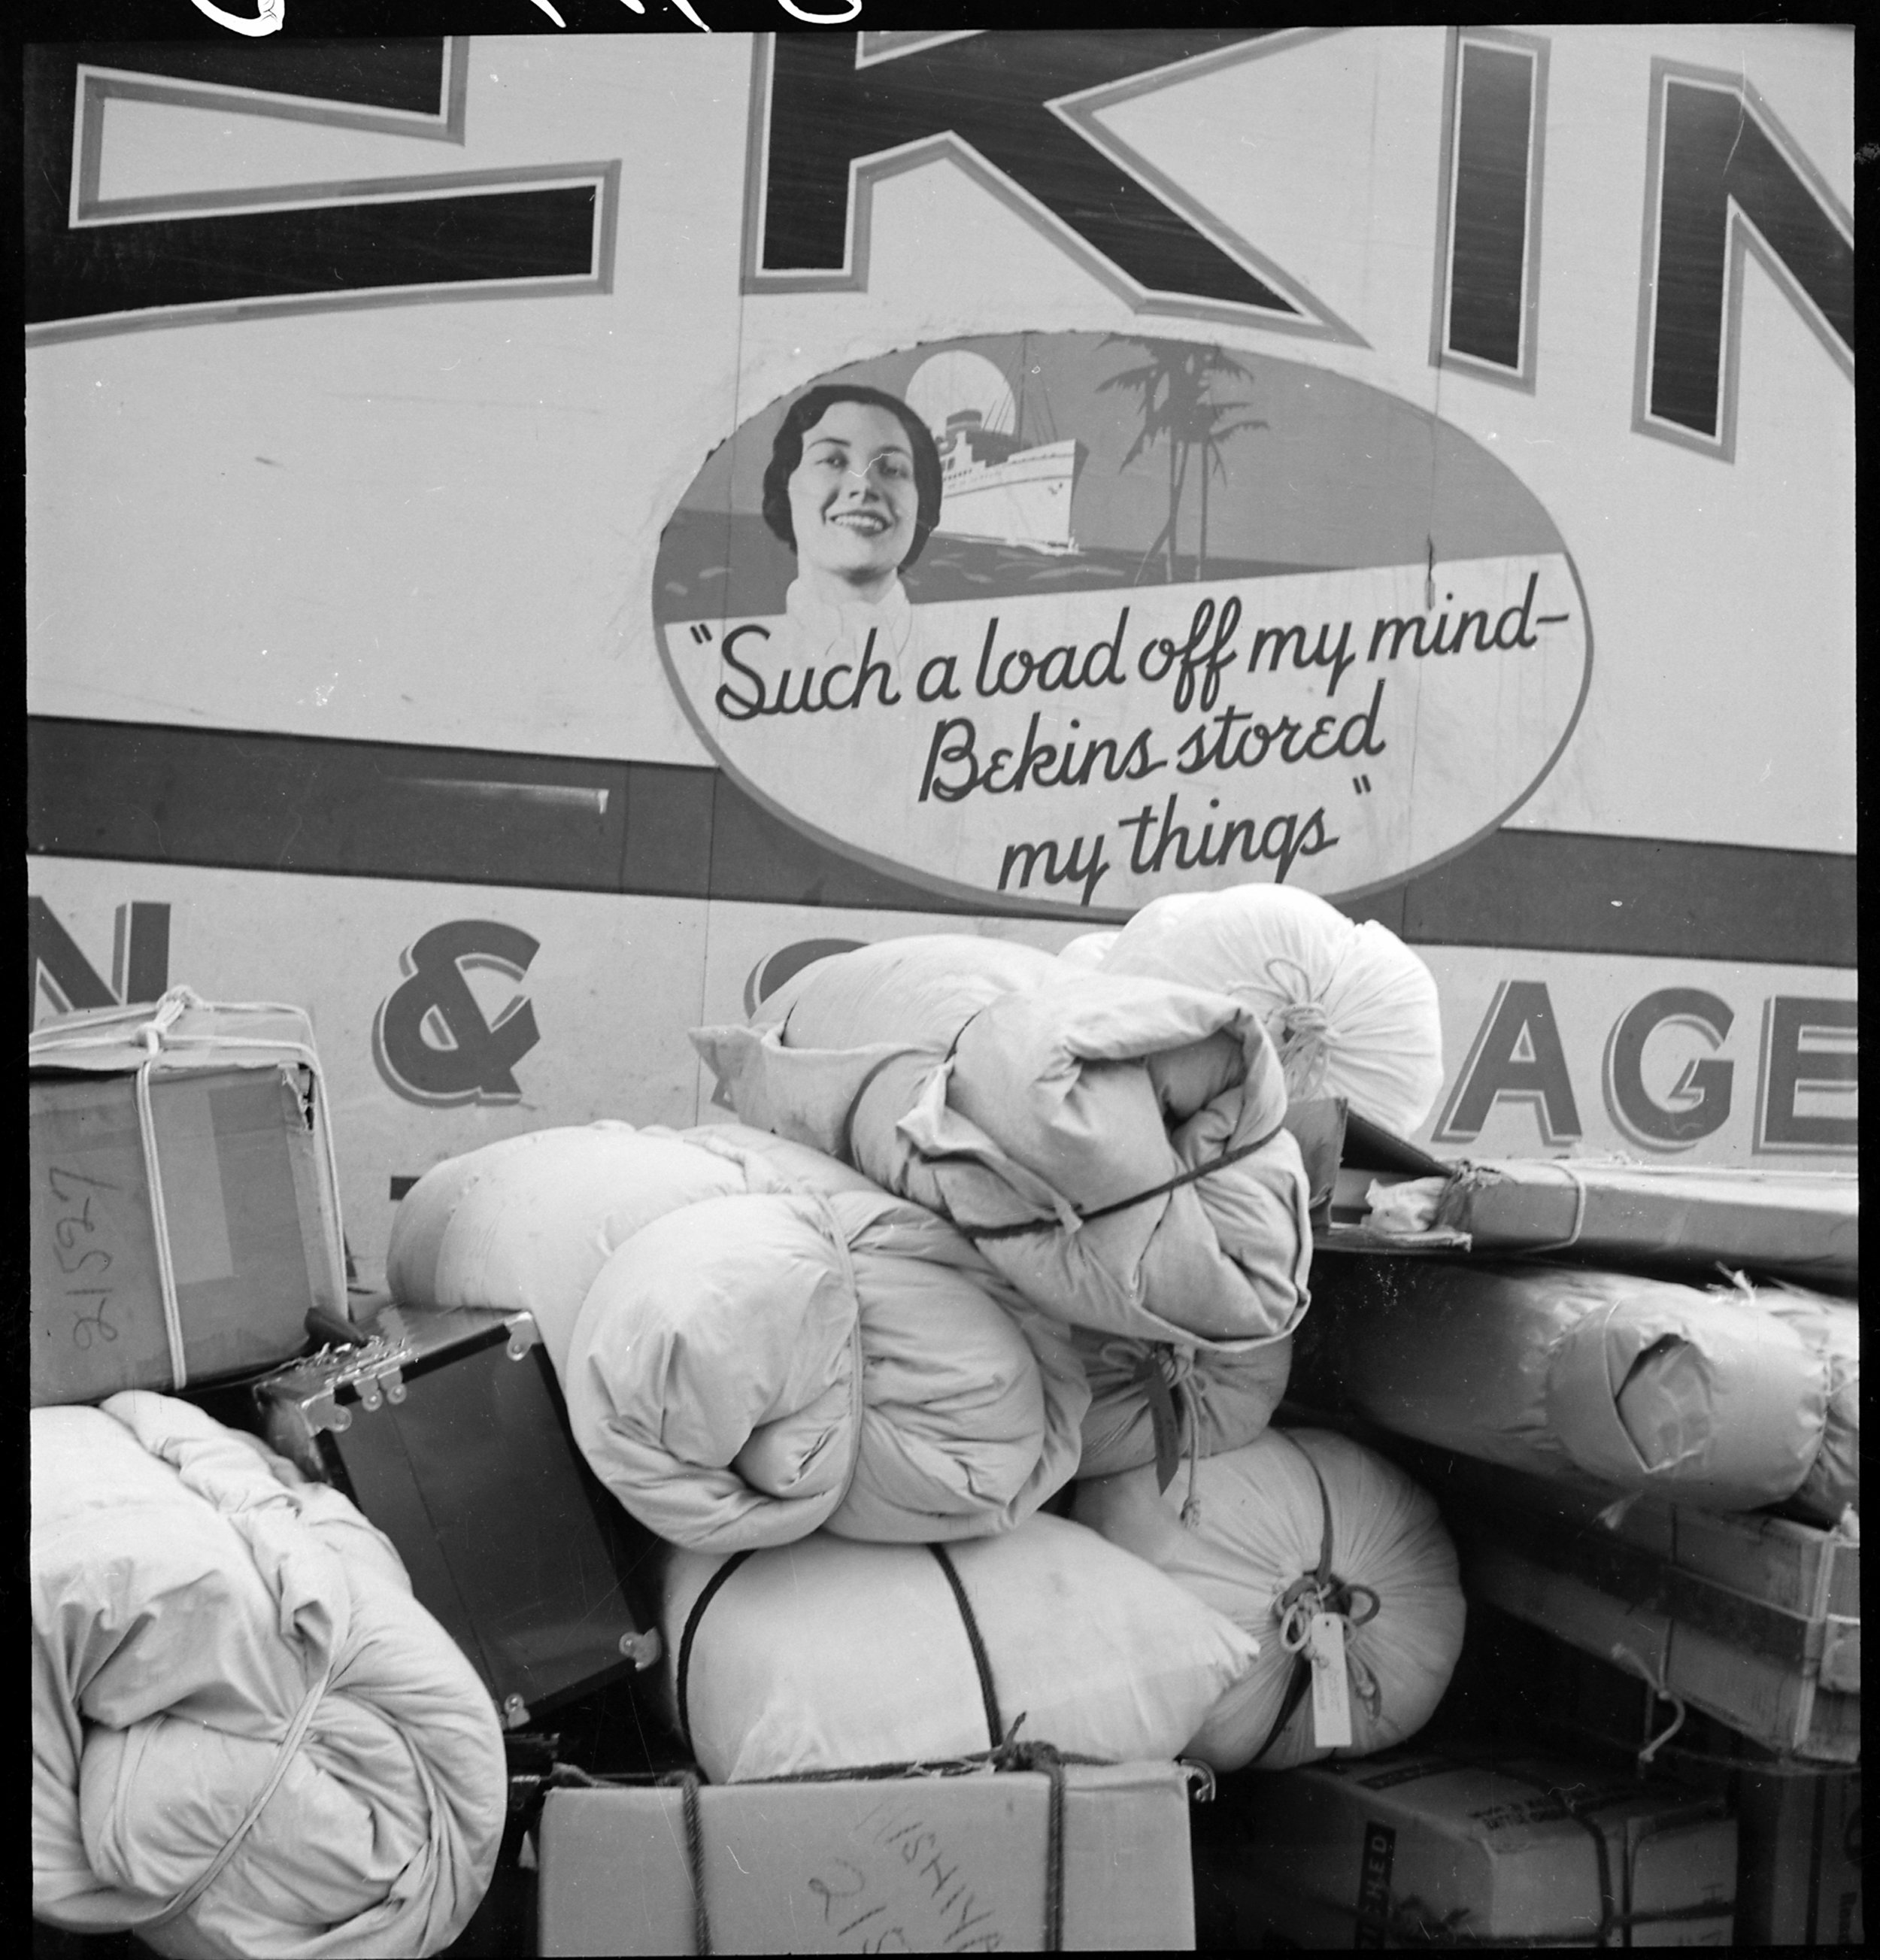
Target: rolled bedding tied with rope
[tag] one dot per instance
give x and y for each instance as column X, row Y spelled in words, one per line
column 826, row 1655
column 1719, row 1398
column 1352, row 1011
column 752, row 1368
column 528, row 1222
column 1299, row 1527
column 1116, row 1147
column 247, row 1736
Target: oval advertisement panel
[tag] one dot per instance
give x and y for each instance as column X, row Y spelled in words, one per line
column 1079, row 619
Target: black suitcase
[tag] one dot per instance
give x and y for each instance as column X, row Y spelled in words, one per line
column 447, row 1429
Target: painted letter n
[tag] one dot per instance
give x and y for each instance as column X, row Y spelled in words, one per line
column 1724, row 179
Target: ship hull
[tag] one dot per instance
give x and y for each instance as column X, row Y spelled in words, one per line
column 1023, row 501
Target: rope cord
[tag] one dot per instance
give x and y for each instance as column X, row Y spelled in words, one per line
column 1654, row 1679
column 979, row 1232
column 681, row 1673
column 845, row 1151
column 159, row 1224
column 290, row 1743
column 1318, row 1591
column 989, row 1694
column 1579, row 1213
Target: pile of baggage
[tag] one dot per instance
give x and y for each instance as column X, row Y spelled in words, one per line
column 951, row 1409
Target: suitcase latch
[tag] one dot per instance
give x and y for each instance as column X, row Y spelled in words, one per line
column 373, row 1370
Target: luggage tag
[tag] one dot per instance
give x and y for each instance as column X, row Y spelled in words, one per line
column 1332, row 1682
column 1164, row 1426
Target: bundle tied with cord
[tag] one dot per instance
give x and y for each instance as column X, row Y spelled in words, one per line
column 1116, row 1147
column 1300, row 1526
column 1350, row 1010
column 1168, row 1404
column 248, row 1737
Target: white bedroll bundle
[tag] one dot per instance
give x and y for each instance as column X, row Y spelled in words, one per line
column 824, row 1655
column 1300, row 1528
column 752, row 1368
column 247, row 1736
column 528, row 1223
column 755, row 1342
column 1115, row 1147
column 1351, row 1010
column 1723, row 1398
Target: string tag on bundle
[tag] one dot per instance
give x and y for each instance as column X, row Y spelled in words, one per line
column 1331, row 1681
column 1164, row 1426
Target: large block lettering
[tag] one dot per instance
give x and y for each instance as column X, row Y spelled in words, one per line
column 833, row 114
column 95, row 265
column 1725, row 180
column 1517, row 1055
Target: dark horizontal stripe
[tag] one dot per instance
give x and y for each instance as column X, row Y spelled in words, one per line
column 340, row 248
column 151, row 793
column 1570, row 892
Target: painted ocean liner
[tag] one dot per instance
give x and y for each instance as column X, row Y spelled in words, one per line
column 995, row 485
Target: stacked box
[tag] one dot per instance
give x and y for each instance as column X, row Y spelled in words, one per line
column 184, row 1215
column 955, row 1864
column 1415, row 1847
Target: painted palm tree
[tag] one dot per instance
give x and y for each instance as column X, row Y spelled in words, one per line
column 1173, row 390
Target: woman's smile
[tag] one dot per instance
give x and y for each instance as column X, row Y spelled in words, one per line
column 853, row 502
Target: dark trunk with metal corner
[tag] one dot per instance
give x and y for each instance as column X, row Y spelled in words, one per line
column 447, row 1429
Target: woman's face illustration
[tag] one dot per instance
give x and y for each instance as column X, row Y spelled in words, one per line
column 853, row 501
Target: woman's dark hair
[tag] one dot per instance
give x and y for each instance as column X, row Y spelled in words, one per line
column 787, row 452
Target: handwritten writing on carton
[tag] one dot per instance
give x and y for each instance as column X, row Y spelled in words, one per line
column 896, row 1887
column 80, row 1248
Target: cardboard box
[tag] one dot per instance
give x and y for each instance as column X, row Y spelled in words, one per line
column 953, row 1864
column 236, row 1165
column 1801, row 1882
column 1406, row 1848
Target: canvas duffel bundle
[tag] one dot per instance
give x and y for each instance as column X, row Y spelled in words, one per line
column 749, row 1368
column 185, row 1206
column 1351, row 1010
column 829, row 1655
column 1705, row 1397
column 247, row 1736
column 1303, row 1524
column 1115, row 1147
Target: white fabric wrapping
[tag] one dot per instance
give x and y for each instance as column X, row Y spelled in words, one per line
column 750, row 1368
column 1257, row 1530
column 1831, row 1328
column 1352, row 1011
column 1702, row 1397
column 996, row 1087
column 191, row 1599
column 1219, row 1397
column 827, row 1655
column 529, row 1222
